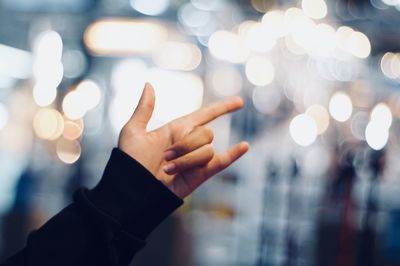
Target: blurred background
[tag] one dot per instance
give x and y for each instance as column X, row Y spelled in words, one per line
column 320, row 185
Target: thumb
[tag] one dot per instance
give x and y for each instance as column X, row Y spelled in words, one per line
column 144, row 110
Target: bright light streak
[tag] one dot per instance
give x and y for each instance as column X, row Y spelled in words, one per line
column 124, row 36
column 260, row 71
column 382, row 116
column 15, row 63
column 228, row 46
column 226, row 81
column 320, row 116
column 44, row 95
column 303, row 130
column 376, row 136
column 316, row 9
column 4, row 116
column 68, row 151
column 178, row 56
column 151, row 8
column 48, row 124
column 340, row 107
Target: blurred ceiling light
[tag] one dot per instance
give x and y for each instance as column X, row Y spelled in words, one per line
column 316, row 9
column 303, row 130
column 151, row 8
column 48, row 124
column 73, row 129
column 340, row 107
column 89, row 92
column 177, row 94
column 260, row 38
column 178, row 56
column 225, row 81
column 320, row 116
column 359, row 45
column 48, row 44
column 44, row 95
column 68, row 151
column 4, row 115
column 266, row 100
column 376, row 136
column 228, row 46
column 73, row 105
column 128, row 74
column 382, row 116
column 15, row 63
column 260, row 71
column 124, row 36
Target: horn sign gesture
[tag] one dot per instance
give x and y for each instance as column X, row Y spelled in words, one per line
column 179, row 154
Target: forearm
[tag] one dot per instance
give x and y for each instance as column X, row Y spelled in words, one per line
column 106, row 225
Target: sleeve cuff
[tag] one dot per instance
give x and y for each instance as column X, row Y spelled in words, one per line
column 129, row 193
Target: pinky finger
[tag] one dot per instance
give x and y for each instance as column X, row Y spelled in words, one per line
column 223, row 160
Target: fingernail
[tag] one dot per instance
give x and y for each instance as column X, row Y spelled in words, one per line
column 169, row 167
column 169, row 155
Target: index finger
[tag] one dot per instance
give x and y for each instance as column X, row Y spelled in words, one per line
column 207, row 114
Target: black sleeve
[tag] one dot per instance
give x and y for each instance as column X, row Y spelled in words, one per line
column 106, row 225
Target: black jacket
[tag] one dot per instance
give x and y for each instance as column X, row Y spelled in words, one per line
column 104, row 226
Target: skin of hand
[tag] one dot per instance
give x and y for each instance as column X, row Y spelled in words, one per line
column 179, row 154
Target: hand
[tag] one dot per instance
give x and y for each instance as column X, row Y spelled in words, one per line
column 179, row 154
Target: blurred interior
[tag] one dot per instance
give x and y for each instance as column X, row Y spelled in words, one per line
column 320, row 185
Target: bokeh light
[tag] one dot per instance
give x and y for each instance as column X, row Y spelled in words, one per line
column 4, row 115
column 151, row 8
column 303, row 130
column 227, row 46
column 48, row 124
column 376, row 136
column 320, row 116
column 225, row 81
column 178, row 56
column 340, row 107
column 68, row 151
column 73, row 129
column 316, row 9
column 260, row 71
column 124, row 36
column 382, row 116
